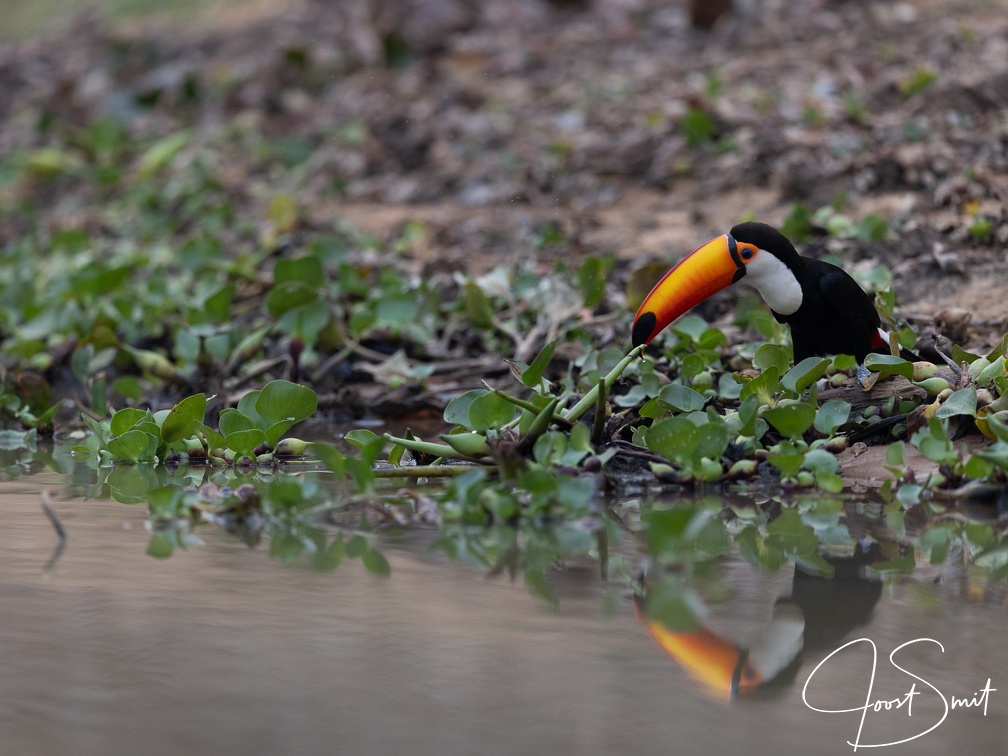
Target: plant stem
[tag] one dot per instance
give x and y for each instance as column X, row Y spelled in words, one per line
column 430, row 471
column 590, row 398
column 424, row 447
column 600, row 414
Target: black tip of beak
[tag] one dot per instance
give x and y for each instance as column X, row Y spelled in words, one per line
column 643, row 327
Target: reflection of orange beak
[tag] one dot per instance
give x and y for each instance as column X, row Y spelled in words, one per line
column 709, row 658
column 704, row 271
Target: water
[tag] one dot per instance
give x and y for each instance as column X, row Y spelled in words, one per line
column 222, row 650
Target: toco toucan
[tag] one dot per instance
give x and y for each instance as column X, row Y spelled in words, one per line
column 826, row 309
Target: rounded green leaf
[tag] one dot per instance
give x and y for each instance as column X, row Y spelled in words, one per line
column 674, row 438
column 712, row 439
column 791, row 419
column 831, row 416
column 184, row 418
column 282, row 400
column 887, row 363
column 961, row 402
column 329, row 456
column 375, row 563
column 243, row 442
column 288, row 295
column 457, row 411
column 820, row 461
column 369, row 443
column 307, row 270
column 125, row 419
column 771, row 355
column 131, row 485
column 232, row 421
column 131, row 446
column 805, row 373
column 682, row 398
column 275, row 432
column 490, row 411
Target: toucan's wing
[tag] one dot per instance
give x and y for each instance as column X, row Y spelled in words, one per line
column 845, row 297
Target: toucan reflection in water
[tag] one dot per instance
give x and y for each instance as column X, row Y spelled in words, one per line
column 818, row 613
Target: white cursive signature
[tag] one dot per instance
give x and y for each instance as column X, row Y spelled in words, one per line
column 980, row 697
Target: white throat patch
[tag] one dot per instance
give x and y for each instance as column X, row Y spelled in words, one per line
column 775, row 282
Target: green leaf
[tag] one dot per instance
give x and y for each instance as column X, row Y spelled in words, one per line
column 674, row 438
column 361, row 437
column 887, row 363
column 375, row 563
column 765, row 385
column 477, row 307
column 894, row 454
column 591, row 278
column 490, row 411
column 247, row 406
column 936, row 540
column 791, row 419
column 820, row 460
column 370, row 445
column 128, row 386
column 286, row 547
column 161, row 544
column 772, row 355
column 131, row 485
column 933, row 443
column 829, row 482
column 682, row 398
column 329, row 559
column 131, row 446
column 831, row 415
column 125, row 419
column 534, row 372
column 673, row 605
column 791, row 535
column 788, row 460
column 161, row 154
column 275, row 432
column 692, row 326
column 329, row 456
column 747, row 413
column 457, row 411
column 289, row 295
column 306, row 270
column 805, row 373
column 244, row 442
column 980, row 534
column 218, row 305
column 282, row 400
column 712, row 439
column 961, row 402
column 184, row 419
column 232, row 421
column 214, row 440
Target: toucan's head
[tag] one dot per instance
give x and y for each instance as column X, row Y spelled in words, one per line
column 756, row 252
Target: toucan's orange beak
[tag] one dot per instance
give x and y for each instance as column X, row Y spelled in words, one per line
column 710, row 268
column 718, row 663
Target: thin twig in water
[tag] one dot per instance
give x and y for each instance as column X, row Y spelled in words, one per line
column 61, row 537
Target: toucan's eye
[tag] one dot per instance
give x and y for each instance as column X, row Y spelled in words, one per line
column 746, row 253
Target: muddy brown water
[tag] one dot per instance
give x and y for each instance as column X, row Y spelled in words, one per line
column 221, row 650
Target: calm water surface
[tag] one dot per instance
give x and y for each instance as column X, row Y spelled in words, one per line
column 222, row 650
